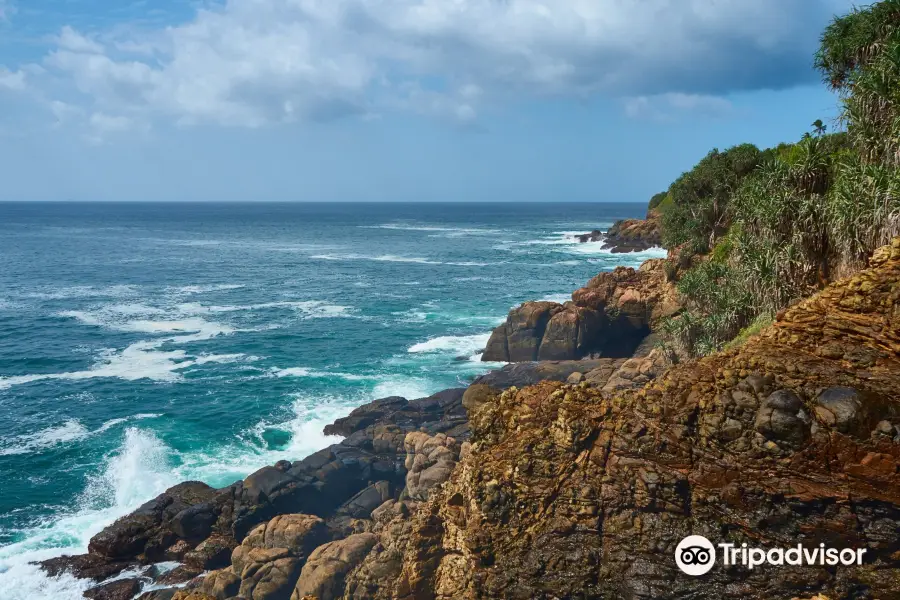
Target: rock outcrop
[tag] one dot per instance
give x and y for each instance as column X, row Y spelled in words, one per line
column 634, row 235
column 241, row 533
column 572, row 492
column 609, row 317
column 628, row 235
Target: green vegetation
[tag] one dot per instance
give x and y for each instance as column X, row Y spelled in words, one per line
column 768, row 227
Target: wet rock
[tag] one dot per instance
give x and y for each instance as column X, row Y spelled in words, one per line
column 149, row 530
column 211, row 553
column 366, row 415
column 123, row 589
column 530, row 373
column 85, row 566
column 180, row 574
column 845, row 409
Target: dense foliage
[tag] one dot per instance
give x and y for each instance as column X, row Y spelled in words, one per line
column 763, row 228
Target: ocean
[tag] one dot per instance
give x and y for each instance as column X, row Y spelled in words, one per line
column 146, row 344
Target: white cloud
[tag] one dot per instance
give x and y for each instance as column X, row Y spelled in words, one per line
column 674, row 105
column 10, row 80
column 253, row 62
column 71, row 40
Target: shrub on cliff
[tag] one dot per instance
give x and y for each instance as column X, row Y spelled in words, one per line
column 798, row 215
column 696, row 210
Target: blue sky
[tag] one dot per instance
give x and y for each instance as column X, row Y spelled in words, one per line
column 394, row 100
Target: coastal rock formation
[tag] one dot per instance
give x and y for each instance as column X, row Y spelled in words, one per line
column 336, row 488
column 608, row 317
column 569, row 492
column 628, row 235
column 634, row 235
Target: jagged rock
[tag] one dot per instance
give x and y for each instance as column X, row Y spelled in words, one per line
column 569, row 492
column 782, row 418
column 632, row 373
column 324, row 572
column 362, row 504
column 123, row 589
column 366, row 415
column 429, row 462
column 211, row 553
column 85, row 566
column 634, row 235
column 150, row 530
column 530, row 373
column 180, row 574
column 608, row 317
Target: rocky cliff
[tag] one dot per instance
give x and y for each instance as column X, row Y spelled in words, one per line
column 568, row 492
column 572, row 478
column 609, row 317
column 628, row 235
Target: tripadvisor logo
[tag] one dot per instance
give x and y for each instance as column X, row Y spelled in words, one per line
column 696, row 555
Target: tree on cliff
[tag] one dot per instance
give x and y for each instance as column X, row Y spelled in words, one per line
column 781, row 223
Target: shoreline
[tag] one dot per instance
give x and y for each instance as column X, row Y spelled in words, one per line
column 456, row 402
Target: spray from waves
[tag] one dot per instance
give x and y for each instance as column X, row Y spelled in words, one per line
column 204, row 289
column 140, row 360
column 397, row 259
column 450, row 231
column 596, row 248
column 458, row 345
column 558, row 298
column 304, row 372
column 141, row 468
column 70, row 431
column 313, row 309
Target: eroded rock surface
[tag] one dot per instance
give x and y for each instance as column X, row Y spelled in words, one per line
column 572, row 492
column 608, row 317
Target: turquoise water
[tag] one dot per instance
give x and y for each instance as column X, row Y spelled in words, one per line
column 146, row 344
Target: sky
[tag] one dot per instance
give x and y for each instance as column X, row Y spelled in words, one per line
column 394, row 100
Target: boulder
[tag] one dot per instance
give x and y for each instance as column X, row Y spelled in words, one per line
column 150, row 530
column 476, row 395
column 323, row 575
column 520, row 337
column 634, row 235
column 365, row 415
column 123, row 589
column 845, row 409
column 429, row 461
column 362, row 504
column 212, row 553
column 783, row 419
